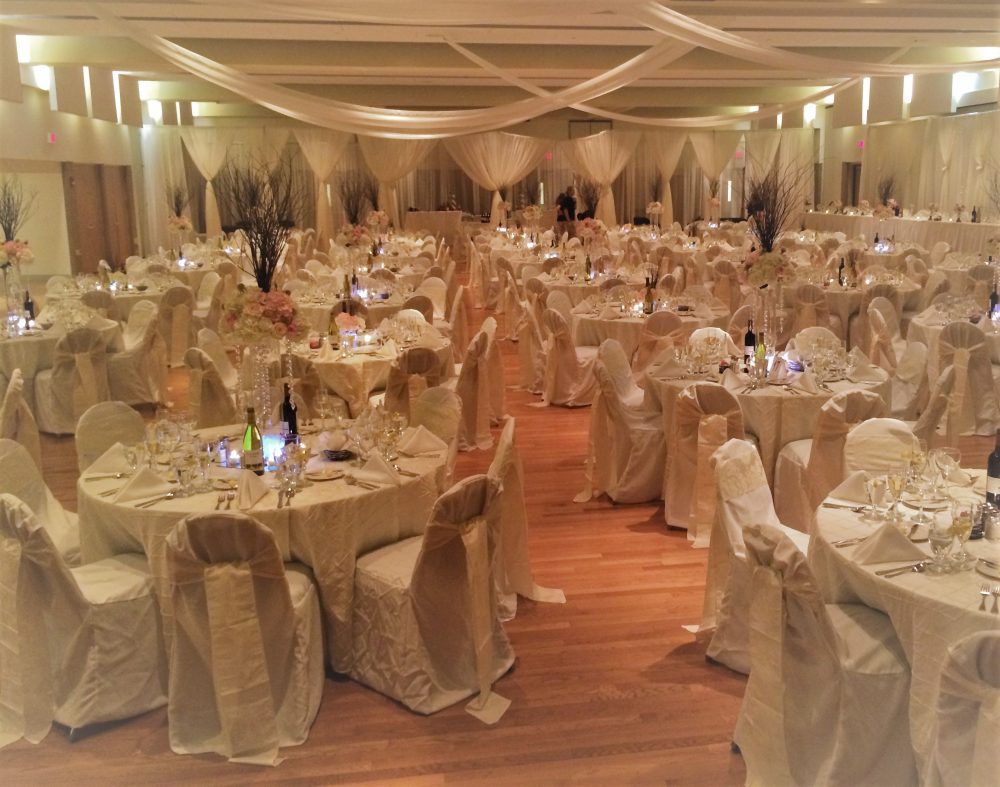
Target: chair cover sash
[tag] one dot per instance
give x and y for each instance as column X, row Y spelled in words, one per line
column 421, row 362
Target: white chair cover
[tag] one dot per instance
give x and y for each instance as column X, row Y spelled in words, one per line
column 19, row 476
column 661, row 330
column 973, row 403
column 206, row 289
column 176, row 326
column 246, row 656
column 472, row 387
column 458, row 325
column 727, row 285
column 705, row 416
column 101, row 301
column 530, row 351
column 211, row 343
column 436, row 289
column 626, row 446
column 729, row 348
column 78, row 379
column 138, row 375
column 878, row 445
column 426, row 629
column 103, row 425
column 806, row 340
column 968, row 714
column 78, row 646
column 513, row 569
column 419, row 362
column 808, row 470
column 560, row 302
column 512, row 307
column 422, row 304
column 569, row 371
column 494, row 373
column 440, row 410
column 910, row 391
column 17, row 422
column 209, row 401
column 938, row 410
column 827, row 698
column 881, row 348
column 811, row 309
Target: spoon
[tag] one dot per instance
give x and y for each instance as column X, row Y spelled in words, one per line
column 918, row 568
column 155, row 500
column 352, row 481
column 103, row 476
column 401, row 471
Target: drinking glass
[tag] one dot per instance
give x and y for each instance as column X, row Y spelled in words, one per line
column 962, row 512
column 133, row 454
column 877, row 487
column 896, row 483
column 922, row 475
column 941, row 540
column 947, row 460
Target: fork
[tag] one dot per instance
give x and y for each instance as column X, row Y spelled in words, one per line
column 995, row 590
column 220, row 500
column 984, row 591
column 230, row 497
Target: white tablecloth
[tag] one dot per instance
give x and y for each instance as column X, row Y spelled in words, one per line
column 926, row 327
column 929, row 613
column 960, row 236
column 327, row 527
column 591, row 330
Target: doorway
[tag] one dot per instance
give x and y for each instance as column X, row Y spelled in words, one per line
column 850, row 184
column 99, row 215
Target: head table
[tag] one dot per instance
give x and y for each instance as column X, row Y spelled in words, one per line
column 929, row 613
column 327, row 526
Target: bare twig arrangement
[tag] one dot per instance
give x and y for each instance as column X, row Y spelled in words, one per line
column 177, row 199
column 885, row 188
column 656, row 187
column 590, row 193
column 713, row 187
column 772, row 202
column 352, row 186
column 266, row 204
column 531, row 190
column 16, row 206
column 371, row 189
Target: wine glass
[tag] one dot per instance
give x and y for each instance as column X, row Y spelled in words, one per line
column 961, row 528
column 941, row 539
column 921, row 472
column 896, row 483
column 947, row 460
column 877, row 487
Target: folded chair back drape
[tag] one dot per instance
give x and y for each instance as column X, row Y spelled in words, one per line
column 661, row 330
column 705, row 416
column 811, row 308
column 176, row 327
column 727, row 284
column 419, row 362
column 530, row 351
column 472, row 388
column 494, row 371
column 17, row 422
column 208, row 399
column 973, row 403
column 80, row 372
column 459, row 322
column 422, row 304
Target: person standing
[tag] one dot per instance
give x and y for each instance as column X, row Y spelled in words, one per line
column 566, row 213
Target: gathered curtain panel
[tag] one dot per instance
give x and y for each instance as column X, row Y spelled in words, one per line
column 601, row 158
column 665, row 148
column 208, row 148
column 795, row 160
column 496, row 160
column 762, row 150
column 391, row 160
column 322, row 150
column 163, row 160
column 713, row 150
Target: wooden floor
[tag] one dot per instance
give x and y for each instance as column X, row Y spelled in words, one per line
column 607, row 689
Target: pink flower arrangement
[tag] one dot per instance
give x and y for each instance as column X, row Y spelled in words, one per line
column 377, row 218
column 354, row 235
column 348, row 322
column 760, row 270
column 15, row 252
column 589, row 229
column 253, row 316
column 179, row 223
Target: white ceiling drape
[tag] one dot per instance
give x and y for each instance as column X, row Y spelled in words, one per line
column 322, row 150
column 713, row 149
column 601, row 158
column 208, row 148
column 666, row 147
column 495, row 160
column 389, row 160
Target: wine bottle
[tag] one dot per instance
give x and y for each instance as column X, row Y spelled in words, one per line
column 993, row 475
column 589, row 268
column 29, row 306
column 253, row 447
column 994, row 302
column 974, row 214
column 749, row 342
column 288, row 415
column 347, row 286
column 841, row 275
column 647, row 303
column 354, row 281
column 876, row 239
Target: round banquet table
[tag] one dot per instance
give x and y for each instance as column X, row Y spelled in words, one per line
column 773, row 414
column 589, row 330
column 929, row 613
column 578, row 290
column 354, row 377
column 926, row 327
column 316, row 311
column 846, row 301
column 328, row 525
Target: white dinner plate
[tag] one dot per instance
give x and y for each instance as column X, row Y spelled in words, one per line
column 326, row 474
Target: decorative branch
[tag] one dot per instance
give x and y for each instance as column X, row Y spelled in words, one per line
column 266, row 204
column 885, row 188
column 531, row 189
column 656, row 187
column 370, row 189
column 590, row 193
column 772, row 202
column 991, row 185
column 352, row 185
column 16, row 207
column 177, row 199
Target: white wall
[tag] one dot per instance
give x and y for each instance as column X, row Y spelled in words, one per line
column 45, row 231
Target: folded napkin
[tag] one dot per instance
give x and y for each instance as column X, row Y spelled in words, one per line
column 429, row 339
column 422, row 441
column 333, row 440
column 389, row 349
column 805, row 381
column 111, row 461
column 327, row 354
column 778, row 373
column 586, row 306
column 609, row 313
column 666, row 365
column 377, row 470
column 887, row 545
column 735, row 381
column 864, row 371
column 250, row 488
column 853, row 489
column 143, row 485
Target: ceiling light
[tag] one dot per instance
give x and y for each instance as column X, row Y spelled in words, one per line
column 808, row 113
column 908, row 89
column 43, row 77
column 155, row 109
column 23, row 49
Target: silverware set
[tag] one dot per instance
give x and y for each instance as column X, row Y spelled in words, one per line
column 917, row 568
column 986, row 590
column 285, row 497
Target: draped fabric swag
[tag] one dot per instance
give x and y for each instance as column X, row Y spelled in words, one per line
column 666, row 148
column 208, row 148
column 601, row 158
column 714, row 149
column 390, row 160
column 322, row 150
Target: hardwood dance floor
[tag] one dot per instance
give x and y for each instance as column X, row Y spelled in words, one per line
column 608, row 689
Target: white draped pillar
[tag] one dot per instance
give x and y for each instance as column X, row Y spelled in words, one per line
column 390, row 160
column 762, row 148
column 713, row 149
column 601, row 158
column 666, row 147
column 207, row 148
column 322, row 150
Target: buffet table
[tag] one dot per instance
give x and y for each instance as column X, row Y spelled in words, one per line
column 961, row 236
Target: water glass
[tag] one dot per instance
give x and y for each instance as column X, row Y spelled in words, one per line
column 941, row 540
column 878, row 491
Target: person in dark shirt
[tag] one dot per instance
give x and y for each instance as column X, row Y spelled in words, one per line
column 566, row 213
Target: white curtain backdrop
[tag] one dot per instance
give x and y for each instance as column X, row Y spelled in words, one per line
column 893, row 150
column 762, row 148
column 207, row 148
column 390, row 160
column 666, row 147
column 322, row 150
column 795, row 154
column 713, row 149
column 601, row 158
column 163, row 166
column 495, row 160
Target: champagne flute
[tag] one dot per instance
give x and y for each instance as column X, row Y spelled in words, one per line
column 947, row 461
column 896, row 483
column 961, row 529
column 922, row 474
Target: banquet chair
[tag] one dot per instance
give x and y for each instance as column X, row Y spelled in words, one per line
column 58, row 285
column 456, row 328
column 426, row 628
column 705, row 416
column 356, row 307
column 512, row 307
column 433, row 272
column 805, row 342
column 416, row 362
column 937, row 284
column 626, row 448
column 103, row 302
column 203, row 300
column 494, row 371
column 82, row 646
column 827, row 701
column 729, row 347
column 938, row 252
column 435, row 289
column 806, row 471
column 726, row 287
column 811, row 309
column 878, row 445
column 103, row 425
column 422, row 304
column 211, row 344
column 530, row 351
column 138, row 374
column 738, row 323
column 742, row 497
column 439, row 410
column 176, row 322
column 382, row 275
column 231, row 275
column 882, row 348
column 667, row 285
column 208, row 400
column 858, row 324
column 78, row 379
column 559, row 300
column 246, row 656
column 938, row 411
column 966, row 721
column 659, row 331
column 551, row 265
column 17, row 422
column 909, row 392
column 513, row 567
column 974, row 400
column 569, row 370
column 473, row 388
column 301, row 373
column 21, row 477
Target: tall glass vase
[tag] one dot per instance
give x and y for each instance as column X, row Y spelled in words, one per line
column 254, row 381
column 764, row 315
column 12, row 293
